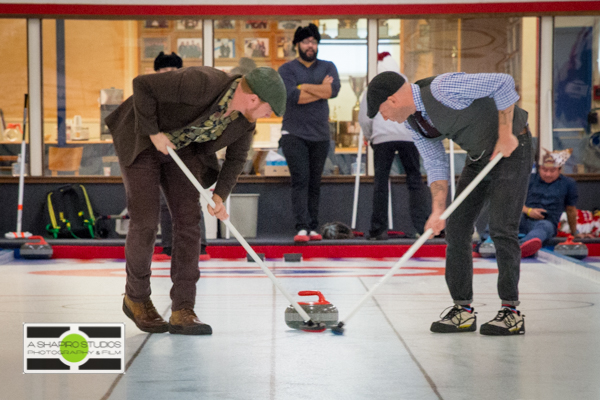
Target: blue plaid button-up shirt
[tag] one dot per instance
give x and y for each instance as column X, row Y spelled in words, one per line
column 458, row 90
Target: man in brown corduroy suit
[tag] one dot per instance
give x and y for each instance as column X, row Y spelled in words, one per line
column 197, row 111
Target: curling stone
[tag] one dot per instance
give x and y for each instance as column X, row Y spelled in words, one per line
column 573, row 249
column 36, row 249
column 292, row 257
column 260, row 255
column 487, row 249
column 318, row 311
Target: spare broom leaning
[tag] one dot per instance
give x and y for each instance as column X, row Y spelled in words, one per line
column 18, row 234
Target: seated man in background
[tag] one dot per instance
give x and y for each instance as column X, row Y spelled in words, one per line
column 549, row 194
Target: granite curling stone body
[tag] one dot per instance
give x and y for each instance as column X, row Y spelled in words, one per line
column 319, row 311
column 573, row 249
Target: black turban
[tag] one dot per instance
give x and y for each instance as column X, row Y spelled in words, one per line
column 164, row 61
column 306, row 32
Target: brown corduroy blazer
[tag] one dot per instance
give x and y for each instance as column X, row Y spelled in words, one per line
column 170, row 101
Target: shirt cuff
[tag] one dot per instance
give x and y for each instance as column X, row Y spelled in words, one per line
column 437, row 174
column 505, row 101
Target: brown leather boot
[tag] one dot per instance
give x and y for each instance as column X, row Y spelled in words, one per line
column 185, row 322
column 145, row 316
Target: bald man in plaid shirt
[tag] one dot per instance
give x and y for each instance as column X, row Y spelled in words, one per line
column 478, row 112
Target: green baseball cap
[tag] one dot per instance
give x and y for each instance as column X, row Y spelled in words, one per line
column 266, row 83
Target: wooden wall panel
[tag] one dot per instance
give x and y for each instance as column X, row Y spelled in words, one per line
column 13, row 68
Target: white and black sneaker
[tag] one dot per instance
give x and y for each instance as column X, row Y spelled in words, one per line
column 457, row 319
column 507, row 322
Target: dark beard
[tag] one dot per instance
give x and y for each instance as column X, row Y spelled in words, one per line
column 305, row 57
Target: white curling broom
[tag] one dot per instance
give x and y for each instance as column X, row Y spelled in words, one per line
column 339, row 328
column 18, row 234
column 309, row 325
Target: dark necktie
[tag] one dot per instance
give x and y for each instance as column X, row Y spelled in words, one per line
column 425, row 128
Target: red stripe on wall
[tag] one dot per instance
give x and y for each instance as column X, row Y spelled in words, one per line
column 328, row 251
column 593, row 249
column 88, row 10
column 236, row 252
column 88, row 252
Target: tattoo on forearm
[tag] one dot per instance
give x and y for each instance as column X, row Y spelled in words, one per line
column 438, row 191
column 505, row 116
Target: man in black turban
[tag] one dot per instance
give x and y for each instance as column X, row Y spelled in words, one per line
column 303, row 33
column 305, row 138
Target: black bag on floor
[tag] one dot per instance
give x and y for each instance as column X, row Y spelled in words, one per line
column 70, row 213
column 336, row 230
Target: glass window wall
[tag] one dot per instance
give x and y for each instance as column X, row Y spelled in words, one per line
column 88, row 67
column 83, row 83
column 241, row 45
column 344, row 42
column 428, row 47
column 576, row 92
column 13, row 67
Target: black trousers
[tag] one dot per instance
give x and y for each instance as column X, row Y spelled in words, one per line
column 506, row 188
column 383, row 155
column 305, row 160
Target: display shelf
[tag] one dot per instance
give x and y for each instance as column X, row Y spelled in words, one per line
column 90, row 141
column 349, row 150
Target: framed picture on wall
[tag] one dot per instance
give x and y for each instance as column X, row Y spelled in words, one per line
column 289, row 25
column 156, row 24
column 188, row 25
column 189, row 47
column 225, row 24
column 256, row 47
column 256, row 25
column 152, row 46
column 225, row 48
column 423, row 37
column 285, row 48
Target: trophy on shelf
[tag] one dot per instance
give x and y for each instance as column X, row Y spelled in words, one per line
column 357, row 83
column 347, row 29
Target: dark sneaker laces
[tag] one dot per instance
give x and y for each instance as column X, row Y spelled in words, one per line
column 451, row 314
column 507, row 316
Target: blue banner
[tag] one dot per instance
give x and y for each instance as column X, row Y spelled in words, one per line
column 572, row 76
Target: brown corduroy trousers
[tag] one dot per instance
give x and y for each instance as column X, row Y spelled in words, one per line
column 150, row 172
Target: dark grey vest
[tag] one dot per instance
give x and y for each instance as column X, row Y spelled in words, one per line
column 474, row 129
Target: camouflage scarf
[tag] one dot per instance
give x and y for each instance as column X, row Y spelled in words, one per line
column 211, row 128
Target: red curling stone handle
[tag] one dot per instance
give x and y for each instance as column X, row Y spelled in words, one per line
column 313, row 293
column 40, row 240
